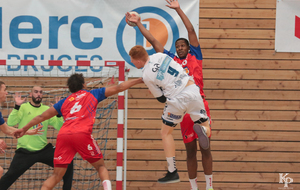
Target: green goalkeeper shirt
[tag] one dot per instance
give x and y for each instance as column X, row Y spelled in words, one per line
column 26, row 113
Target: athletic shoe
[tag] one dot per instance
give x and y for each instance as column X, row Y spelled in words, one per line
column 170, row 178
column 202, row 137
column 210, row 189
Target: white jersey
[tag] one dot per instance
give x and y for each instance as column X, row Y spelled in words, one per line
column 164, row 76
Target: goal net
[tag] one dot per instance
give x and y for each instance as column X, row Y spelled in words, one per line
column 21, row 77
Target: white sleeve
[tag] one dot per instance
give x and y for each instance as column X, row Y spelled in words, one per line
column 154, row 89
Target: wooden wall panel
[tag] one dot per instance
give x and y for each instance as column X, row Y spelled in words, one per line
column 253, row 93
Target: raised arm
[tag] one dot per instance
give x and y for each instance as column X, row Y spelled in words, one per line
column 109, row 91
column 16, row 115
column 158, row 47
column 173, row 4
column 51, row 112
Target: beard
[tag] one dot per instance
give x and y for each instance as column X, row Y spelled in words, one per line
column 37, row 100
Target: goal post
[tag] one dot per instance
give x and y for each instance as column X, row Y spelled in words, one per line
column 118, row 68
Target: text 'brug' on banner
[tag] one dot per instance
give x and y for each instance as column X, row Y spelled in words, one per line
column 86, row 30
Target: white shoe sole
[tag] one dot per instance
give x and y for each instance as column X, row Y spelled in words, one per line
column 202, row 137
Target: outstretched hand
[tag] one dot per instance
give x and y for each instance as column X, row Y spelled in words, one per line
column 132, row 18
column 18, row 98
column 173, row 4
column 57, row 98
column 140, row 80
column 35, row 131
column 19, row 133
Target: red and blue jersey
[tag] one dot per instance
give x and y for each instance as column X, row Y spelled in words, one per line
column 1, row 119
column 79, row 110
column 192, row 64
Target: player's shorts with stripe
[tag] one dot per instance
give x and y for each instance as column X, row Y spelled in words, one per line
column 186, row 125
column 188, row 101
column 67, row 145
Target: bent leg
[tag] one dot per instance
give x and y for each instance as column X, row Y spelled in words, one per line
column 168, row 140
column 103, row 173
column 190, row 141
column 169, row 148
column 20, row 163
column 203, row 131
column 47, row 156
column 101, row 169
column 191, row 159
column 68, row 177
column 206, row 161
column 55, row 178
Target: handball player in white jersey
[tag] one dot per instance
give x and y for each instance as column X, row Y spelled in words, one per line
column 170, row 84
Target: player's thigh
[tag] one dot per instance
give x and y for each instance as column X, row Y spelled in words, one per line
column 187, row 131
column 98, row 164
column 88, row 148
column 173, row 112
column 64, row 150
column 195, row 107
column 207, row 109
column 59, row 172
column 166, row 130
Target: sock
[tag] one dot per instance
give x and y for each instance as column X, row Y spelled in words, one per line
column 193, row 183
column 171, row 164
column 106, row 185
column 208, row 179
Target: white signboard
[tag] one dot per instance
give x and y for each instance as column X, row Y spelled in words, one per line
column 287, row 35
column 86, row 29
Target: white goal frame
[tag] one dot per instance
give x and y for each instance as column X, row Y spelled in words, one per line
column 120, row 119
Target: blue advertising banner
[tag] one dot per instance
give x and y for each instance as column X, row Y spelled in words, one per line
column 86, row 30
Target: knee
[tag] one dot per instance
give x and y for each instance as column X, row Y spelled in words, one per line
column 163, row 134
column 191, row 154
column 191, row 150
column 57, row 177
column 206, row 153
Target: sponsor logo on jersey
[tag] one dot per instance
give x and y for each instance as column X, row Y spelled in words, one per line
column 186, row 70
column 58, row 158
column 71, row 99
column 173, row 116
column 80, row 96
column 70, row 118
column 38, row 125
column 189, row 136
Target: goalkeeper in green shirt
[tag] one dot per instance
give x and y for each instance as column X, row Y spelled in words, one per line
column 34, row 148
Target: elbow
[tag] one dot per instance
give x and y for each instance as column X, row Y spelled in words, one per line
column 120, row 88
column 191, row 30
